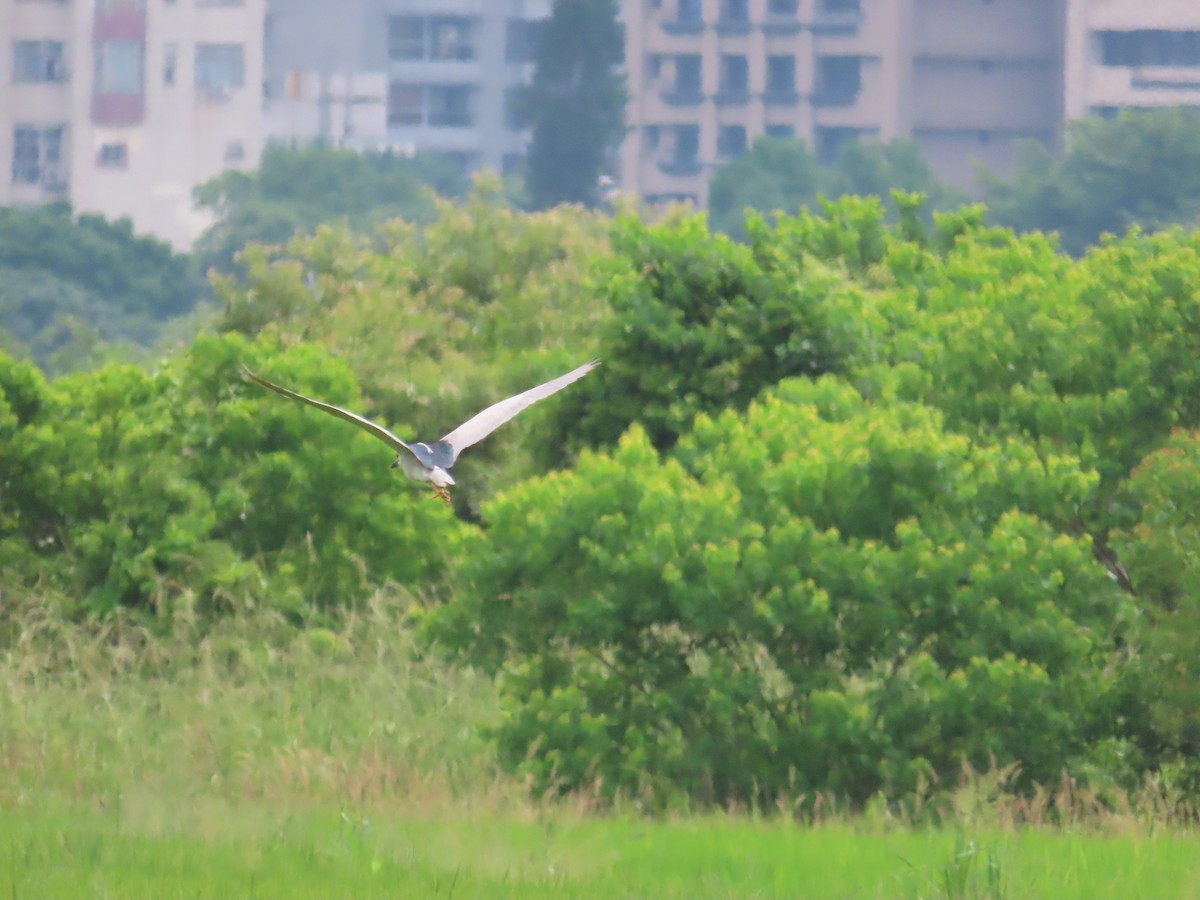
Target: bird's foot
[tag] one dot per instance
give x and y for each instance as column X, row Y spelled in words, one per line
column 443, row 493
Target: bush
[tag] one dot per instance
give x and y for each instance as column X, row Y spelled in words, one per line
column 1160, row 551
column 136, row 490
column 819, row 594
column 700, row 323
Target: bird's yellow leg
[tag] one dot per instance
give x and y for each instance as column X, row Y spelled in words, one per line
column 443, row 493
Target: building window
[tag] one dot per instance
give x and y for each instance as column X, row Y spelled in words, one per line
column 119, row 67
column 37, row 154
column 521, row 39
column 838, row 6
column 830, row 142
column 38, row 61
column 687, row 74
column 219, row 68
column 687, row 144
column 450, row 38
column 781, row 75
column 839, row 80
column 781, row 131
column 688, row 11
column 406, row 37
column 514, row 112
column 235, row 151
column 735, row 11
column 440, row 105
column 113, row 156
column 735, row 76
column 781, row 7
column 1150, row 47
column 449, row 105
column 111, row 5
column 431, row 37
column 731, row 141
column 170, row 60
column 404, row 104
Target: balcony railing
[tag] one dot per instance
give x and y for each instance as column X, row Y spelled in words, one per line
column 683, row 97
column 680, row 167
column 833, row 20
column 782, row 25
column 777, row 97
column 834, row 98
column 733, row 26
column 683, row 26
column 732, row 97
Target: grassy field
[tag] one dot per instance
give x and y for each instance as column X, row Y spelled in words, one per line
column 257, row 761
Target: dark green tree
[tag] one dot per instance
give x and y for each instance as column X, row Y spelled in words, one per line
column 69, row 284
column 700, row 323
column 1141, row 168
column 299, row 189
column 784, row 175
column 776, row 174
column 576, row 103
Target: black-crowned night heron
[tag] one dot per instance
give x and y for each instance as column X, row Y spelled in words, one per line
column 431, row 462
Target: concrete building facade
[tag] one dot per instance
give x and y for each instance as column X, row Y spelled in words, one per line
column 964, row 78
column 1130, row 54
column 433, row 75
column 122, row 107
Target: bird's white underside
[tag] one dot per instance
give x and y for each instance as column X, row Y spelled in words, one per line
column 414, row 470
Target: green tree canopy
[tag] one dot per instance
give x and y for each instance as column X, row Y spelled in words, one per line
column 70, row 283
column 1141, row 168
column 783, row 175
column 300, row 189
column 700, row 323
column 820, row 593
column 123, row 488
column 1161, row 549
column 576, row 102
column 442, row 319
column 852, row 502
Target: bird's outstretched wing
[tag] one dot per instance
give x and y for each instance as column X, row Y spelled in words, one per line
column 366, row 424
column 481, row 425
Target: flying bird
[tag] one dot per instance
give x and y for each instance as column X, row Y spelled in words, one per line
column 432, row 462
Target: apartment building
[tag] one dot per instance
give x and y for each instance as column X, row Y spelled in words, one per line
column 123, row 106
column 431, row 75
column 964, row 78
column 1130, row 54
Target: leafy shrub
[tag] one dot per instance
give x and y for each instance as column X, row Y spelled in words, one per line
column 700, row 323
column 1162, row 553
column 77, row 290
column 817, row 594
column 443, row 319
column 132, row 489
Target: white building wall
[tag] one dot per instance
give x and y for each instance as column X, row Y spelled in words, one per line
column 1092, row 86
column 182, row 138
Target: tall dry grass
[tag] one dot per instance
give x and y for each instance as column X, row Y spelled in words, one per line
column 249, row 707
column 356, row 715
